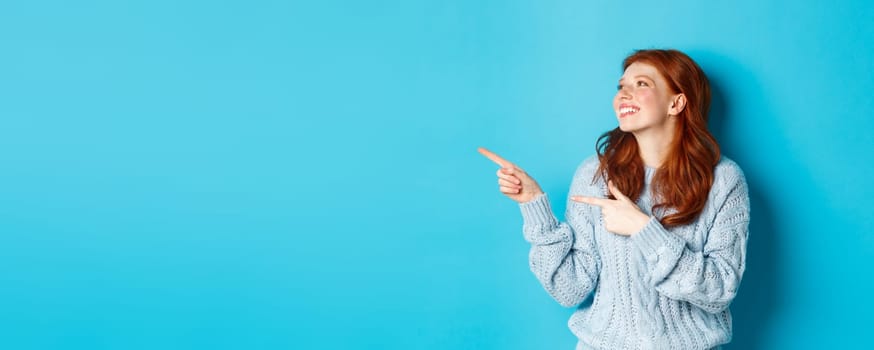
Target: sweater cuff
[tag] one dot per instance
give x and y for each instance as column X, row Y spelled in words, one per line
column 661, row 248
column 538, row 211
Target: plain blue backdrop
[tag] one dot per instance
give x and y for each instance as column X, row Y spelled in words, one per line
column 304, row 175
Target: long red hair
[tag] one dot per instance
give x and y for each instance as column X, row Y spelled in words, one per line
column 683, row 181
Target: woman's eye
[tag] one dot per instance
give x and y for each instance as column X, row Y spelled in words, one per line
column 642, row 83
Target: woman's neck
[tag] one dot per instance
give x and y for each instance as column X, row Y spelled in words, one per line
column 654, row 149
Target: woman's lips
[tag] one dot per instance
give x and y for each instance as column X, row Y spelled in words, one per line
column 627, row 110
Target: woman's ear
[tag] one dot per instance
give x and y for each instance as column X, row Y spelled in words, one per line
column 678, row 103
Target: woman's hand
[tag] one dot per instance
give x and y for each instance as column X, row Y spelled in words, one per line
column 512, row 180
column 621, row 215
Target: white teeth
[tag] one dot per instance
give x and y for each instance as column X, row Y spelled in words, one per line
column 628, row 110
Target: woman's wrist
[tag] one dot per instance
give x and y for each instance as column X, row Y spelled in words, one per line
column 641, row 221
column 532, row 197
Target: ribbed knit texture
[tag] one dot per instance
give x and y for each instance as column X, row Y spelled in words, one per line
column 657, row 289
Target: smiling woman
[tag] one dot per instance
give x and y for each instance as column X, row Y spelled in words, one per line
column 657, row 220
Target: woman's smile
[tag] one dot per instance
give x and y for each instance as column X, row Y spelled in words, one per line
column 627, row 110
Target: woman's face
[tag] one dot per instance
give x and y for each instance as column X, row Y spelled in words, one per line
column 644, row 101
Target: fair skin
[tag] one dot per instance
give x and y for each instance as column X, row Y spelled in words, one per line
column 645, row 107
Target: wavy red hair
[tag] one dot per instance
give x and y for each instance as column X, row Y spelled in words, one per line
column 683, row 182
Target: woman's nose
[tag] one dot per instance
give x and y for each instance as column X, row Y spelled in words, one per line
column 623, row 95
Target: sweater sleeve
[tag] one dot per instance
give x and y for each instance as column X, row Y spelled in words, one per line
column 563, row 256
column 710, row 278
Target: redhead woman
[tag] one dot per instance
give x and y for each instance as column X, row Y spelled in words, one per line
column 653, row 248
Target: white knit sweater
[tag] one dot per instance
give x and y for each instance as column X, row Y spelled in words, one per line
column 657, row 289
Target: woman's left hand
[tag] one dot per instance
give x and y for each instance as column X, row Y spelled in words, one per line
column 621, row 215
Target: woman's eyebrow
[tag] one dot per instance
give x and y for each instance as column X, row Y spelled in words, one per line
column 637, row 76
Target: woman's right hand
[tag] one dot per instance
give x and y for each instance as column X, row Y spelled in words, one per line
column 512, row 180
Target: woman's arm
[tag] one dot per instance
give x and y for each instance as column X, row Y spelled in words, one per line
column 710, row 278
column 563, row 256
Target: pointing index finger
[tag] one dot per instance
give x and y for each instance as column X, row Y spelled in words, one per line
column 496, row 158
column 601, row 202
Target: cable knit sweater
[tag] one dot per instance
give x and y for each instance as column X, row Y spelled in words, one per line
column 656, row 289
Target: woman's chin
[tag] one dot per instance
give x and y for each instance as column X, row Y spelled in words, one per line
column 625, row 127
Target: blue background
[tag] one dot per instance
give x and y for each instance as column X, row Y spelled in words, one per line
column 234, row 174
